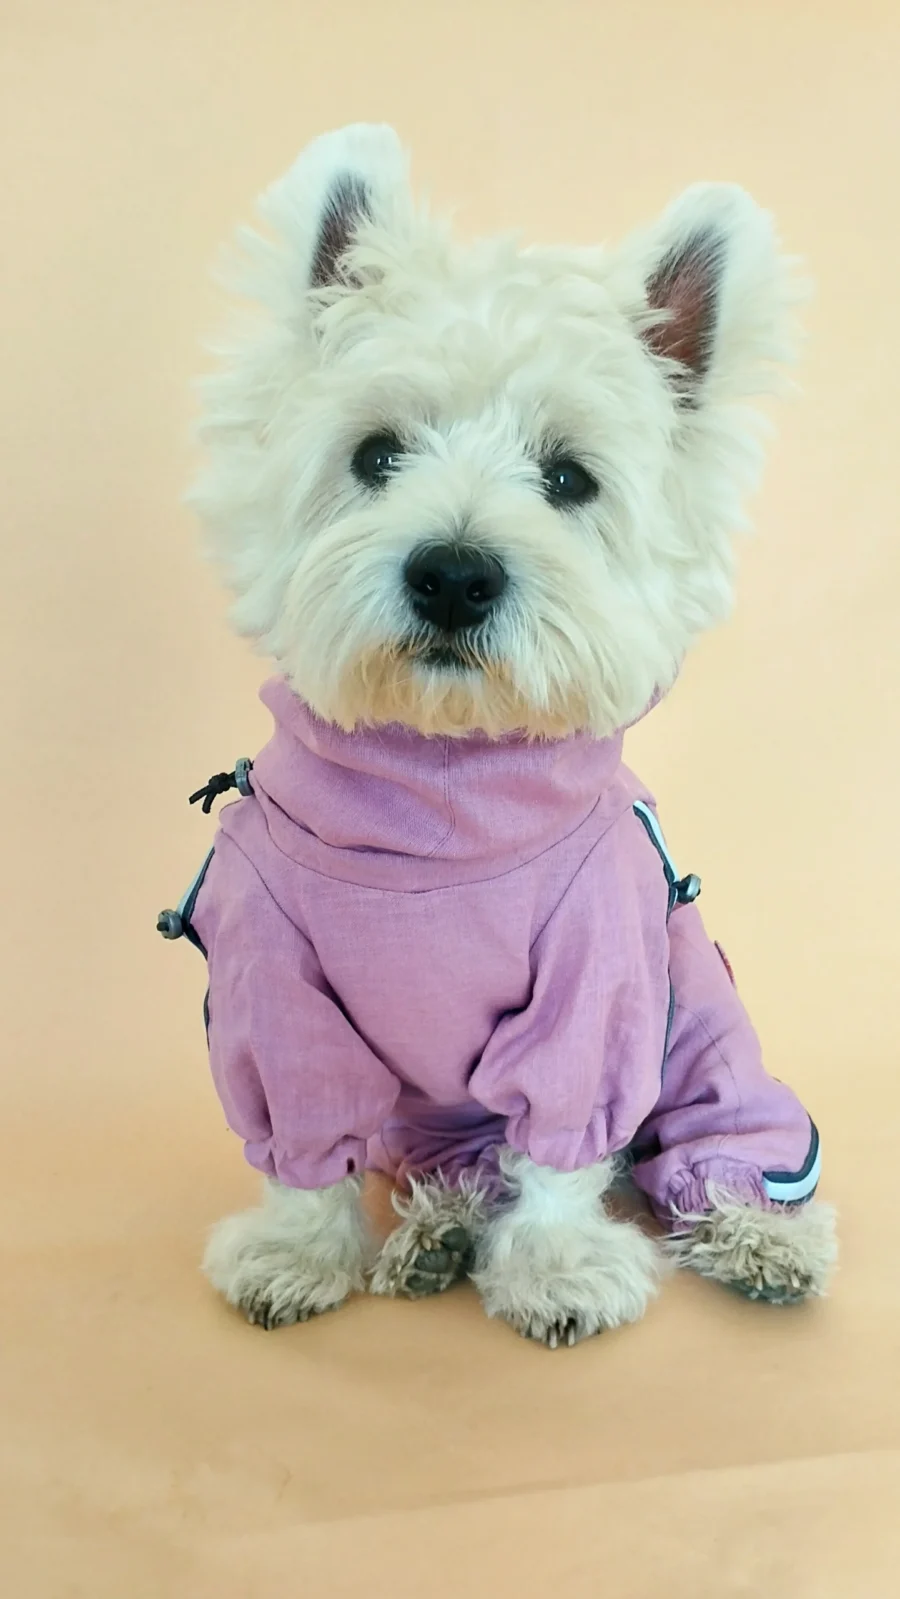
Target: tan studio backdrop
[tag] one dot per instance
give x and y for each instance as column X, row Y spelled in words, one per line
column 152, row 1445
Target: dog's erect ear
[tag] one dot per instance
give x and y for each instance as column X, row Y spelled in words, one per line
column 345, row 208
column 718, row 293
column 683, row 286
column 338, row 182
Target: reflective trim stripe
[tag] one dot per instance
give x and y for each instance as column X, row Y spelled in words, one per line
column 670, row 1017
column 189, row 898
column 787, row 1188
column 682, row 891
column 651, row 823
column 188, row 901
column 784, row 1188
column 654, row 833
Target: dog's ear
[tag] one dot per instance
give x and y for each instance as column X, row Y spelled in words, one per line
column 718, row 294
column 346, row 206
column 358, row 174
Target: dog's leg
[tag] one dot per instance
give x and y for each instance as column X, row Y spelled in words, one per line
column 302, row 1252
column 554, row 1264
column 434, row 1245
column 782, row 1255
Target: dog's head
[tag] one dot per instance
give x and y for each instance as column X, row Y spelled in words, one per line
column 485, row 486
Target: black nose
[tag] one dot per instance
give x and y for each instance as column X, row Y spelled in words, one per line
column 453, row 586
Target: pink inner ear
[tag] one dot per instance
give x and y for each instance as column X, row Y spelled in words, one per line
column 685, row 286
column 345, row 208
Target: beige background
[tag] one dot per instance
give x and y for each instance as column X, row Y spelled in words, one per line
column 152, row 1445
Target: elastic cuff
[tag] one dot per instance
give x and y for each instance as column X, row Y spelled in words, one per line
column 344, row 1159
column 563, row 1151
column 695, row 1192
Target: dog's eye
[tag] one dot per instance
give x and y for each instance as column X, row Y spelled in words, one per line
column 567, row 483
column 376, row 458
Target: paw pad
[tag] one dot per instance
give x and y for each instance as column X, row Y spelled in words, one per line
column 441, row 1263
column 418, row 1261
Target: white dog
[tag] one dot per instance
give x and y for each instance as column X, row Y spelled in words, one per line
column 477, row 501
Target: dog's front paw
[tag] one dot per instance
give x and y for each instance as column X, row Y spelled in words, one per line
column 434, row 1245
column 418, row 1262
column 558, row 1292
column 782, row 1256
column 298, row 1256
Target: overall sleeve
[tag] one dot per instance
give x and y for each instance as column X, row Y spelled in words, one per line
column 721, row 1123
column 577, row 1069
column 296, row 1081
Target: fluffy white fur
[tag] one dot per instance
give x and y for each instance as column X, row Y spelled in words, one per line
column 483, row 357
column 435, row 1242
column 543, row 1253
column 781, row 1255
column 485, row 360
column 554, row 1264
column 301, row 1253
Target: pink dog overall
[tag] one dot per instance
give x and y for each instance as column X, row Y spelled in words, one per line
column 421, row 949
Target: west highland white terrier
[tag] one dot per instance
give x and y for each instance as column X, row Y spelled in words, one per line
column 476, row 501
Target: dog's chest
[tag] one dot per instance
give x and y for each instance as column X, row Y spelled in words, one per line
column 425, row 977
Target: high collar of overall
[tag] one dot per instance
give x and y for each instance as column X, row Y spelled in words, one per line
column 391, row 791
